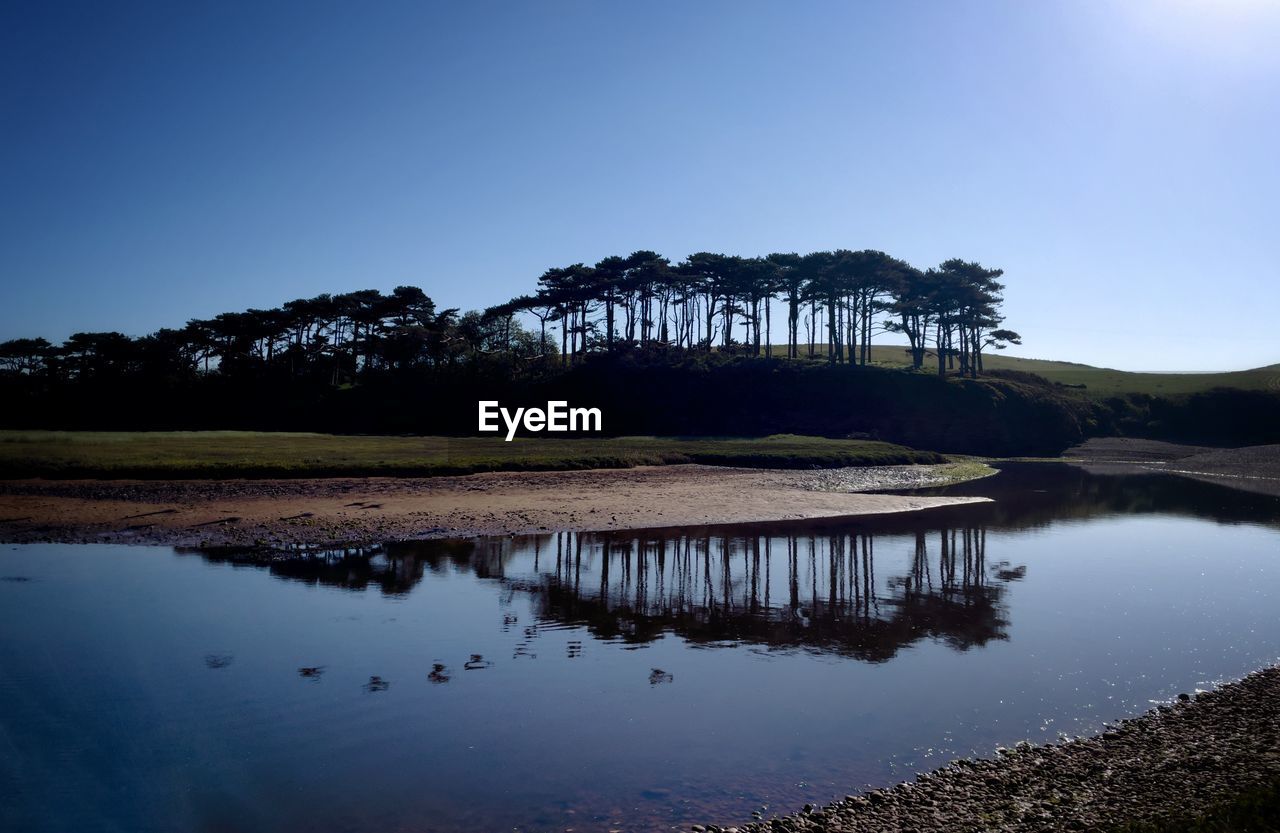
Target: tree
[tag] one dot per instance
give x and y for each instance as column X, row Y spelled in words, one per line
column 562, row 287
column 790, row 280
column 707, row 275
column 912, row 290
column 974, row 297
column 873, row 277
column 824, row 284
column 97, row 355
column 648, row 276
column 608, row 277
column 28, row 356
column 753, row 282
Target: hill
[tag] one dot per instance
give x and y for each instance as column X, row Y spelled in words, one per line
column 1102, row 381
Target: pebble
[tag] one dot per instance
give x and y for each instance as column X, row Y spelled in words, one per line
column 1169, row 763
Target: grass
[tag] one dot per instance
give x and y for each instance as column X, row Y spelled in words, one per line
column 965, row 469
column 1254, row 811
column 216, row 454
column 1097, row 381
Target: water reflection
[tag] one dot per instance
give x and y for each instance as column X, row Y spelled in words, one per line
column 820, row 593
column 770, row 585
column 216, row 661
column 815, row 592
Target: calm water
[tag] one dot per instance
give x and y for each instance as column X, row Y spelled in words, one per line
column 598, row 682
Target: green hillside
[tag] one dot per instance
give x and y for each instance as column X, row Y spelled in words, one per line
column 1101, row 381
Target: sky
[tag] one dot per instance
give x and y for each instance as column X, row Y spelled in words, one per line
column 167, row 161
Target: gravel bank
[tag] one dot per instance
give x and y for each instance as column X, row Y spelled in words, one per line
column 1172, row 763
column 1131, row 450
column 1253, row 468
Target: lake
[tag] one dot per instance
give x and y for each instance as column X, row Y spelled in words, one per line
column 622, row 681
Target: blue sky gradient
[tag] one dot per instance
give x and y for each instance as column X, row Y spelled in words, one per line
column 1119, row 160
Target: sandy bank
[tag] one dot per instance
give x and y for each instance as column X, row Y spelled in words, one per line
column 366, row 510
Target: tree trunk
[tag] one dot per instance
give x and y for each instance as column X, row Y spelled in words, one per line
column 833, row 333
column 755, row 324
column 768, row 329
column 940, row 340
column 793, row 337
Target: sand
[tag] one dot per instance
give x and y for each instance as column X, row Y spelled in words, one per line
column 336, row 511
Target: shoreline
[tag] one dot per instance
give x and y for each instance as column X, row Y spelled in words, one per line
column 1250, row 469
column 1170, row 765
column 354, row 511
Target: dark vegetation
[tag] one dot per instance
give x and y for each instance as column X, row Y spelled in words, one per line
column 1217, row 417
column 663, row 349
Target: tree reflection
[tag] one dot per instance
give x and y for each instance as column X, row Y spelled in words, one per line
column 811, row 592
column 817, row 592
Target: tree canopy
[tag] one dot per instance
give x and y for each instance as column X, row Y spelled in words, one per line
column 837, row 301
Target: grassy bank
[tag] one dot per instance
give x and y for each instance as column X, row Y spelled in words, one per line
column 217, row 454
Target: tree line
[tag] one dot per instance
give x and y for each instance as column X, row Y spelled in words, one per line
column 842, row 298
column 335, row 337
column 834, row 303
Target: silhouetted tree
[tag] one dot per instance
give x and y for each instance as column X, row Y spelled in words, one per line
column 25, row 355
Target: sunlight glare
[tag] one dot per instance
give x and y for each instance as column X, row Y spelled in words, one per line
column 1233, row 32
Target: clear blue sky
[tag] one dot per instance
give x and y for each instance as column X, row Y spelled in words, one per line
column 1120, row 160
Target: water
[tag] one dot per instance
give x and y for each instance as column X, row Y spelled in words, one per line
column 613, row 682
